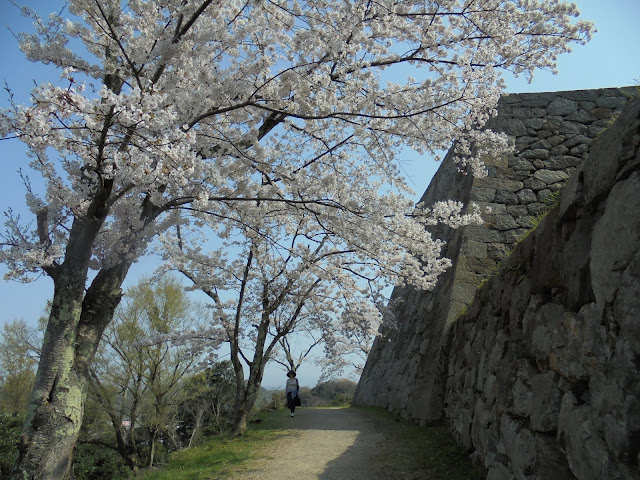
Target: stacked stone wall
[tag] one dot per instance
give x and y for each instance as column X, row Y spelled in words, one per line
column 543, row 369
column 552, row 134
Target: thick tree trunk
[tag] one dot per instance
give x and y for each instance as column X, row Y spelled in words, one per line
column 56, row 407
column 246, row 398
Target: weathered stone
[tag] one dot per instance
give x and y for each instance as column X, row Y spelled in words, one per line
column 587, row 95
column 536, row 209
column 627, row 305
column 587, row 451
column 556, row 139
column 509, row 98
column 601, row 112
column 543, row 144
column 611, row 102
column 576, row 140
column 521, row 397
column 579, row 149
column 506, row 197
column 517, row 210
column 521, row 446
column 587, row 105
column 559, row 150
column 595, row 130
column 571, row 198
column 534, row 184
column 499, row 472
column 562, row 106
column 525, row 221
column 545, row 402
column 572, row 127
column 526, row 195
column 556, row 187
column 497, row 251
column 523, row 142
column 520, row 164
column 605, row 122
column 544, row 196
column 499, row 183
column 537, row 153
column 510, row 126
column 580, row 116
column 550, row 176
column 483, row 234
column 540, row 133
column 504, row 222
column 562, row 162
column 521, row 112
column 483, row 194
column 615, row 227
column 513, row 236
column 599, row 177
column 534, row 123
column 475, row 249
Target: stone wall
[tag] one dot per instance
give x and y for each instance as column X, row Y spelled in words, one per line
column 543, row 375
column 552, row 133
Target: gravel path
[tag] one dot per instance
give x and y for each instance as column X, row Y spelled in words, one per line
column 335, row 444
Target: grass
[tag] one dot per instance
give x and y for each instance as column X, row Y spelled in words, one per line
column 218, row 456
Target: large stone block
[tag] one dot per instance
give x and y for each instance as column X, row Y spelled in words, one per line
column 616, row 238
column 549, row 177
column 545, row 402
column 616, row 145
column 562, row 106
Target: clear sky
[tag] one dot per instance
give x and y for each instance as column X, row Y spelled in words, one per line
column 611, row 59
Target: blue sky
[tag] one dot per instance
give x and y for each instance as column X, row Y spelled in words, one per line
column 611, row 59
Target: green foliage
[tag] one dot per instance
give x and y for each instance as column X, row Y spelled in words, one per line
column 218, row 456
column 553, row 199
column 95, row 462
column 19, row 345
column 277, row 401
column 269, row 400
column 333, row 393
column 206, row 406
column 10, row 429
column 139, row 374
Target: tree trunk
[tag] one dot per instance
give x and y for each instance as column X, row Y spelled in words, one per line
column 247, row 398
column 198, row 425
column 56, row 407
column 153, row 433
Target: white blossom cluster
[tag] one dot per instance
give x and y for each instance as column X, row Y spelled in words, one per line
column 266, row 120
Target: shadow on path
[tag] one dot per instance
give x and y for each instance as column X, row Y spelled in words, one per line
column 359, row 444
column 340, row 444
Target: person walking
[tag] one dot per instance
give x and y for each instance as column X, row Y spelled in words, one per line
column 292, row 391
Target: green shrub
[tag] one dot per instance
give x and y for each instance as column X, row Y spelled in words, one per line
column 341, row 400
column 10, row 428
column 95, row 462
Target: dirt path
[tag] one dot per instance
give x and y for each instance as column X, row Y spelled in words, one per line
column 336, row 444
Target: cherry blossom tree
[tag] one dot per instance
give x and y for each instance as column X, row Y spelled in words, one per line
column 348, row 340
column 236, row 108
column 283, row 271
